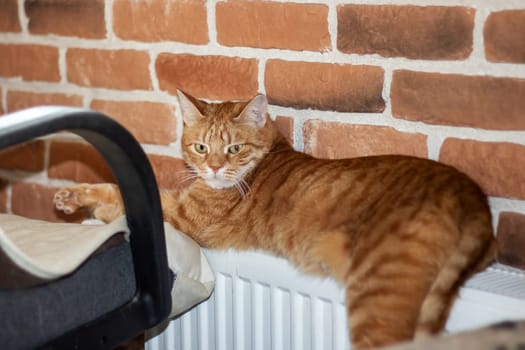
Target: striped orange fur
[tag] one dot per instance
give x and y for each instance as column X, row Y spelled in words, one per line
column 399, row 233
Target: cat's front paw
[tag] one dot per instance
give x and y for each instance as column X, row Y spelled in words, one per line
column 102, row 200
column 70, row 199
column 66, row 200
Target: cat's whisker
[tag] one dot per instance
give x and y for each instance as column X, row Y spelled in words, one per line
column 240, row 189
column 186, row 171
column 240, row 184
column 244, row 185
column 187, row 176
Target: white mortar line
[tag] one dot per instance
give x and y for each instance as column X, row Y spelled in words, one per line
column 260, row 75
column 471, row 66
column 19, row 175
column 160, row 150
column 493, row 4
column 152, row 71
column 86, row 102
column 212, row 25
column 298, row 135
column 9, row 196
column 47, row 156
column 332, row 24
column 176, row 145
column 62, row 65
column 103, row 93
column 408, row 126
column 298, row 122
column 478, row 46
column 37, row 178
column 385, row 93
column 434, row 143
column 4, row 97
column 108, row 19
column 22, row 18
column 507, row 204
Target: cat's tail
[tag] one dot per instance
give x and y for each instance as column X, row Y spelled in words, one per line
column 476, row 248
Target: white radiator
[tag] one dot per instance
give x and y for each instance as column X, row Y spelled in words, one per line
column 263, row 303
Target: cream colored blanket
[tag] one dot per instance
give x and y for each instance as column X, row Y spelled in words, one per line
column 33, row 252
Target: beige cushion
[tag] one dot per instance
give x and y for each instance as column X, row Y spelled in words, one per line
column 34, row 252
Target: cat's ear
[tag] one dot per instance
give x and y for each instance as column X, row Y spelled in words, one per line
column 188, row 105
column 254, row 113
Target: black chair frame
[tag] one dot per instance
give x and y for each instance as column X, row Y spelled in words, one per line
column 134, row 176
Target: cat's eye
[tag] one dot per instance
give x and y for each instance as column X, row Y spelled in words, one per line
column 234, row 149
column 200, row 148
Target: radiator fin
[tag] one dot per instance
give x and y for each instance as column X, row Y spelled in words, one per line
column 246, row 314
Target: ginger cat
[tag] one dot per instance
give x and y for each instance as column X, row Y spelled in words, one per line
column 399, row 233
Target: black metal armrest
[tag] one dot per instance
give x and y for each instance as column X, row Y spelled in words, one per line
column 132, row 171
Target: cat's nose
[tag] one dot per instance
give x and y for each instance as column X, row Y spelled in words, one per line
column 214, row 168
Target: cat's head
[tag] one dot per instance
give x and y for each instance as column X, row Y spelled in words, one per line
column 223, row 142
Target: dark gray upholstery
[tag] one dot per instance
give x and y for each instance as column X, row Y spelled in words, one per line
column 103, row 283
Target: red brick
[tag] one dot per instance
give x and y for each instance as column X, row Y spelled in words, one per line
column 429, row 32
column 36, row 201
column 268, row 24
column 212, row 77
column 339, row 140
column 9, row 21
column 84, row 19
column 496, row 166
column 149, row 122
column 3, row 195
column 31, row 62
column 511, row 239
column 77, row 162
column 343, row 88
column 285, row 126
column 26, row 157
column 504, row 34
column 160, row 20
column 17, row 100
column 453, row 99
column 169, row 171
column 117, row 69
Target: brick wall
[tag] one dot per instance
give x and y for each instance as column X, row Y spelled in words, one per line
column 443, row 79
